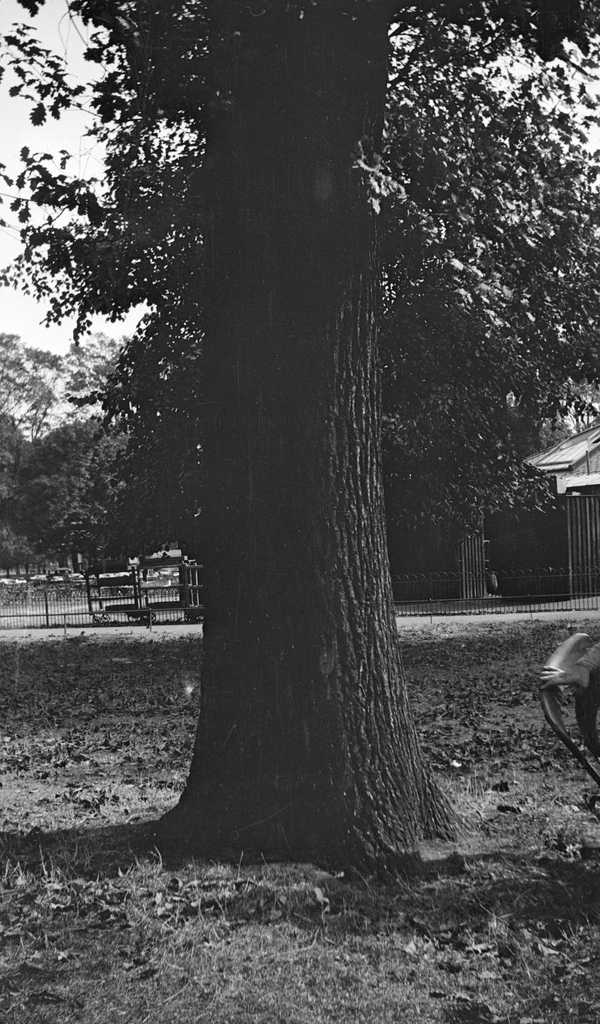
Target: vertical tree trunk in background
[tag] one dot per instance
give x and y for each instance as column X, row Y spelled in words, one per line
column 305, row 745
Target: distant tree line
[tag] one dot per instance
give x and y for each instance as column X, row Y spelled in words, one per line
column 60, row 475
column 75, row 478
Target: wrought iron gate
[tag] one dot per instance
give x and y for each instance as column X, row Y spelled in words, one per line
column 471, row 564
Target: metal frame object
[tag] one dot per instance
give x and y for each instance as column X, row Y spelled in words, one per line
column 558, row 671
column 549, row 695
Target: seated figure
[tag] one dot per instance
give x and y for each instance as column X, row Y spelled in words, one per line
column 575, row 663
column 572, row 663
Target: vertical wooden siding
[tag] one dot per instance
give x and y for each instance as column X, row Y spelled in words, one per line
column 583, row 524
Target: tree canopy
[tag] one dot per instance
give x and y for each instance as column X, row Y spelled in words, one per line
column 488, row 196
column 491, row 269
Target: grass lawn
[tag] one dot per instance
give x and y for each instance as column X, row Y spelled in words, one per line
column 95, row 737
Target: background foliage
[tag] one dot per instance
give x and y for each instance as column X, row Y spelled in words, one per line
column 487, row 192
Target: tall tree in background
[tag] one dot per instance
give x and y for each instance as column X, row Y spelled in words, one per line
column 305, row 745
column 15, row 548
column 491, row 270
column 61, row 486
column 87, row 369
column 154, row 395
column 29, row 379
column 69, row 483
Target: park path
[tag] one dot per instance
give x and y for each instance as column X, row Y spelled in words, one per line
column 445, row 624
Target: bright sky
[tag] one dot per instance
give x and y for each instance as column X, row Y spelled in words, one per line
column 20, row 314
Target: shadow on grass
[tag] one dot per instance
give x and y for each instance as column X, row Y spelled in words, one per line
column 86, row 851
column 518, row 887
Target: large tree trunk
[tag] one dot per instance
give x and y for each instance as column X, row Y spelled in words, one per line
column 305, row 745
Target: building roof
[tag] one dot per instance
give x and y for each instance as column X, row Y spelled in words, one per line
column 567, row 454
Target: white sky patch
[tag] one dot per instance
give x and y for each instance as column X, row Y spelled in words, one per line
column 21, row 314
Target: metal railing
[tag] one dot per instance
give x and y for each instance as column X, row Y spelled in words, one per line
column 25, row 605
column 513, row 590
column 58, row 604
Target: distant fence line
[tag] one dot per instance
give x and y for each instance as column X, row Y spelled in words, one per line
column 68, row 604
column 518, row 590
column 25, row 606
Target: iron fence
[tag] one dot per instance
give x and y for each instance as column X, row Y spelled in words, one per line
column 51, row 605
column 27, row 605
column 518, row 590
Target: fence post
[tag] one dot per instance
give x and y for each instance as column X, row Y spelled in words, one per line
column 569, row 547
column 47, row 608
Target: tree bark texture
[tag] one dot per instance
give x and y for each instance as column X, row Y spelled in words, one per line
column 305, row 746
